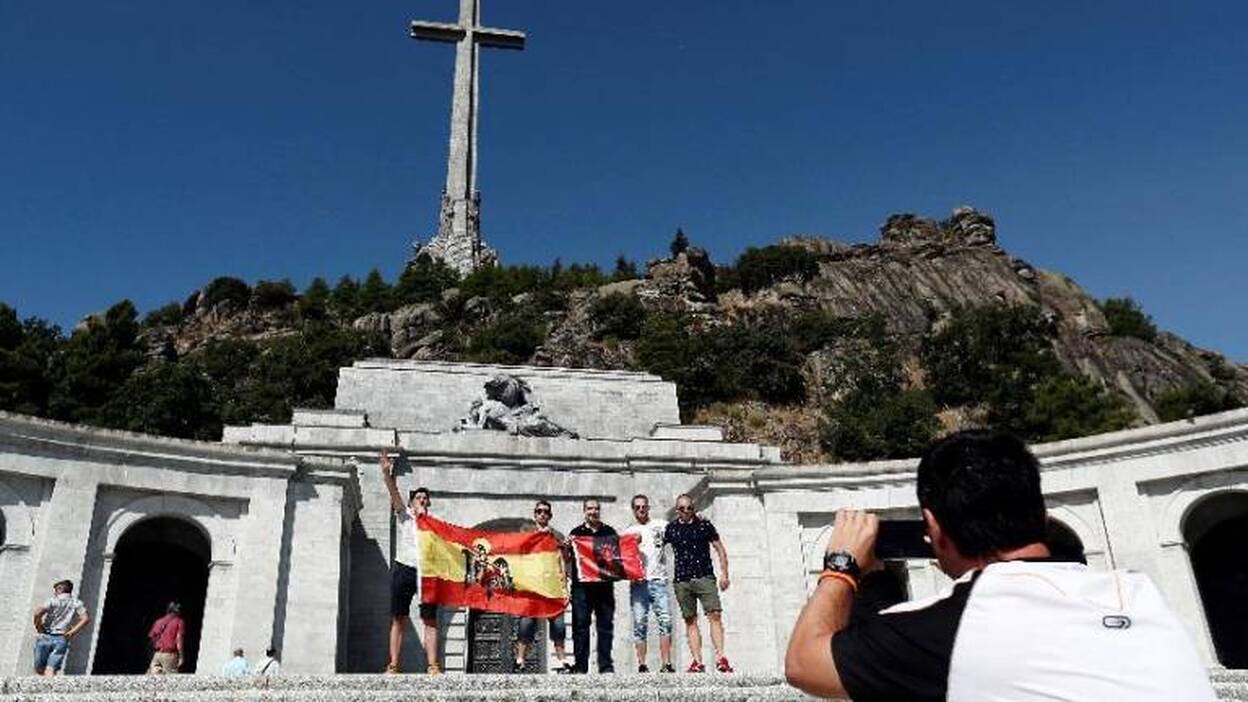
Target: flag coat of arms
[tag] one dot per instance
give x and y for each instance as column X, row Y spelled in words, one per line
column 515, row 573
column 608, row 558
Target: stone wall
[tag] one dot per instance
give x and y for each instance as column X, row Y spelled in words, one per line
column 432, row 397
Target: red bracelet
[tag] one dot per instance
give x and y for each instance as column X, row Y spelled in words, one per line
column 843, row 577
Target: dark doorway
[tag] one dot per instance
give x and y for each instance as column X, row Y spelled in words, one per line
column 157, row 561
column 1214, row 531
column 492, row 644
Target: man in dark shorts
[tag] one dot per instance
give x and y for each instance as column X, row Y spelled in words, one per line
column 596, row 600
column 404, row 580
column 1017, row 624
column 692, row 538
column 526, row 629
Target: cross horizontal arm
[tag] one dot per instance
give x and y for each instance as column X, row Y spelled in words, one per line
column 437, row 31
column 499, row 38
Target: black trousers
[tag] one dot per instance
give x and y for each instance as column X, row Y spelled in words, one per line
column 598, row 600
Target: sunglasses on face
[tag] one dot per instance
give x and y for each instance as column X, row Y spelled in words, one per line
column 638, row 508
column 683, row 509
column 541, row 510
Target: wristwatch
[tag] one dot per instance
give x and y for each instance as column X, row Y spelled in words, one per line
column 841, row 562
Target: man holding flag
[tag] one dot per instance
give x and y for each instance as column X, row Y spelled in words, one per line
column 596, row 599
column 527, row 628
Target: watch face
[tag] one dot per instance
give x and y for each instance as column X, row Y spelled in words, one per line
column 840, row 560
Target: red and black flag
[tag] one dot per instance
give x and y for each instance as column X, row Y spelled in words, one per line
column 608, row 558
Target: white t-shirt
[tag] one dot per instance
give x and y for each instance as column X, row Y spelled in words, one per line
column 653, row 556
column 406, row 543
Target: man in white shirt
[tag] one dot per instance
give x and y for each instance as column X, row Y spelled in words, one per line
column 404, row 580
column 270, row 665
column 56, row 627
column 651, row 593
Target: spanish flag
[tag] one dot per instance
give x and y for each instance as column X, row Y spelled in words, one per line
column 511, row 573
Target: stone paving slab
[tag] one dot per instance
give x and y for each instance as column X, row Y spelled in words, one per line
column 1229, row 685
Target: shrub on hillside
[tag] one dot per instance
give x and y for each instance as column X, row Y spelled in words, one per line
column 27, row 351
column 1127, row 318
column 510, row 339
column 761, row 268
column 1066, row 406
column 273, row 294
column 314, row 302
column 424, row 280
column 989, row 352
column 227, row 289
column 1195, row 400
column 865, row 427
column 168, row 316
column 616, row 316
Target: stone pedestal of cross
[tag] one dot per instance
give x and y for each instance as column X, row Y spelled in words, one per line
column 458, row 241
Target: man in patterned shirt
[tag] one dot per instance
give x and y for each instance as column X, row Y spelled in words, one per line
column 53, row 624
column 692, row 538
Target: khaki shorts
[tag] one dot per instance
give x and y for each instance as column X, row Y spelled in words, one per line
column 690, row 591
column 164, row 664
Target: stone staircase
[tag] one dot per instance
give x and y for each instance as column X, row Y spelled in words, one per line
column 1230, row 685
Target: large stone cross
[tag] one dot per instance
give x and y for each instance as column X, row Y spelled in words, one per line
column 458, row 242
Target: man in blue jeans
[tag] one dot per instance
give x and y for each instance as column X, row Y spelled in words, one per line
column 54, row 622
column 526, row 630
column 651, row 593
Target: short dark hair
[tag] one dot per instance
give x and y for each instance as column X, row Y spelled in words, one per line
column 983, row 487
column 542, row 503
column 639, row 496
column 271, row 652
column 412, row 495
column 585, row 502
column 64, row 586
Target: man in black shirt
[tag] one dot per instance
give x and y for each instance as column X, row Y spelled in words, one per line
column 692, row 538
column 592, row 599
column 1017, row 624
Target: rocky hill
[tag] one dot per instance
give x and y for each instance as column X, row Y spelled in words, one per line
column 777, row 331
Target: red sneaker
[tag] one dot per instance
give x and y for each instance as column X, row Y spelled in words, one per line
column 696, row 667
column 722, row 665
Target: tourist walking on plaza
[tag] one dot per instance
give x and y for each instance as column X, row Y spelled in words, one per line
column 270, row 665
column 57, row 622
column 236, row 667
column 404, row 580
column 1016, row 624
column 526, row 629
column 592, row 599
column 650, row 593
column 166, row 639
column 692, row 538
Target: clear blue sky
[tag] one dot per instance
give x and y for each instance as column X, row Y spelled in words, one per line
column 146, row 147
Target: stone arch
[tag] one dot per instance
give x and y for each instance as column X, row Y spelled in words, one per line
column 1213, row 528
column 17, row 522
column 155, row 559
column 193, row 511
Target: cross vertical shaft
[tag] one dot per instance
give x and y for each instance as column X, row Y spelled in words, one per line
column 458, row 241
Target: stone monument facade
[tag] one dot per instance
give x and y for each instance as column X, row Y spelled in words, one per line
column 458, row 241
column 288, row 533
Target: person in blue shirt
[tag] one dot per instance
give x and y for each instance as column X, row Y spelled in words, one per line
column 236, row 667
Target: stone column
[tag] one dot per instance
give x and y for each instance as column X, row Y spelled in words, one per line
column 312, row 608
column 219, row 611
column 66, row 529
column 258, row 567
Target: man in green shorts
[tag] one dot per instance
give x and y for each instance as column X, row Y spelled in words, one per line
column 692, row 538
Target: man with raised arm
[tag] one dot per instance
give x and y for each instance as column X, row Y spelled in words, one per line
column 1017, row 624
column 692, row 539
column 404, row 579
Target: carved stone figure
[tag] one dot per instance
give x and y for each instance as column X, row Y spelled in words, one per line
column 506, row 407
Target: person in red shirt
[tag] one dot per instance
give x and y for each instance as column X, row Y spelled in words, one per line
column 166, row 637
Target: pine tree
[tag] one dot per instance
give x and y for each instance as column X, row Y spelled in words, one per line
column 680, row 243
